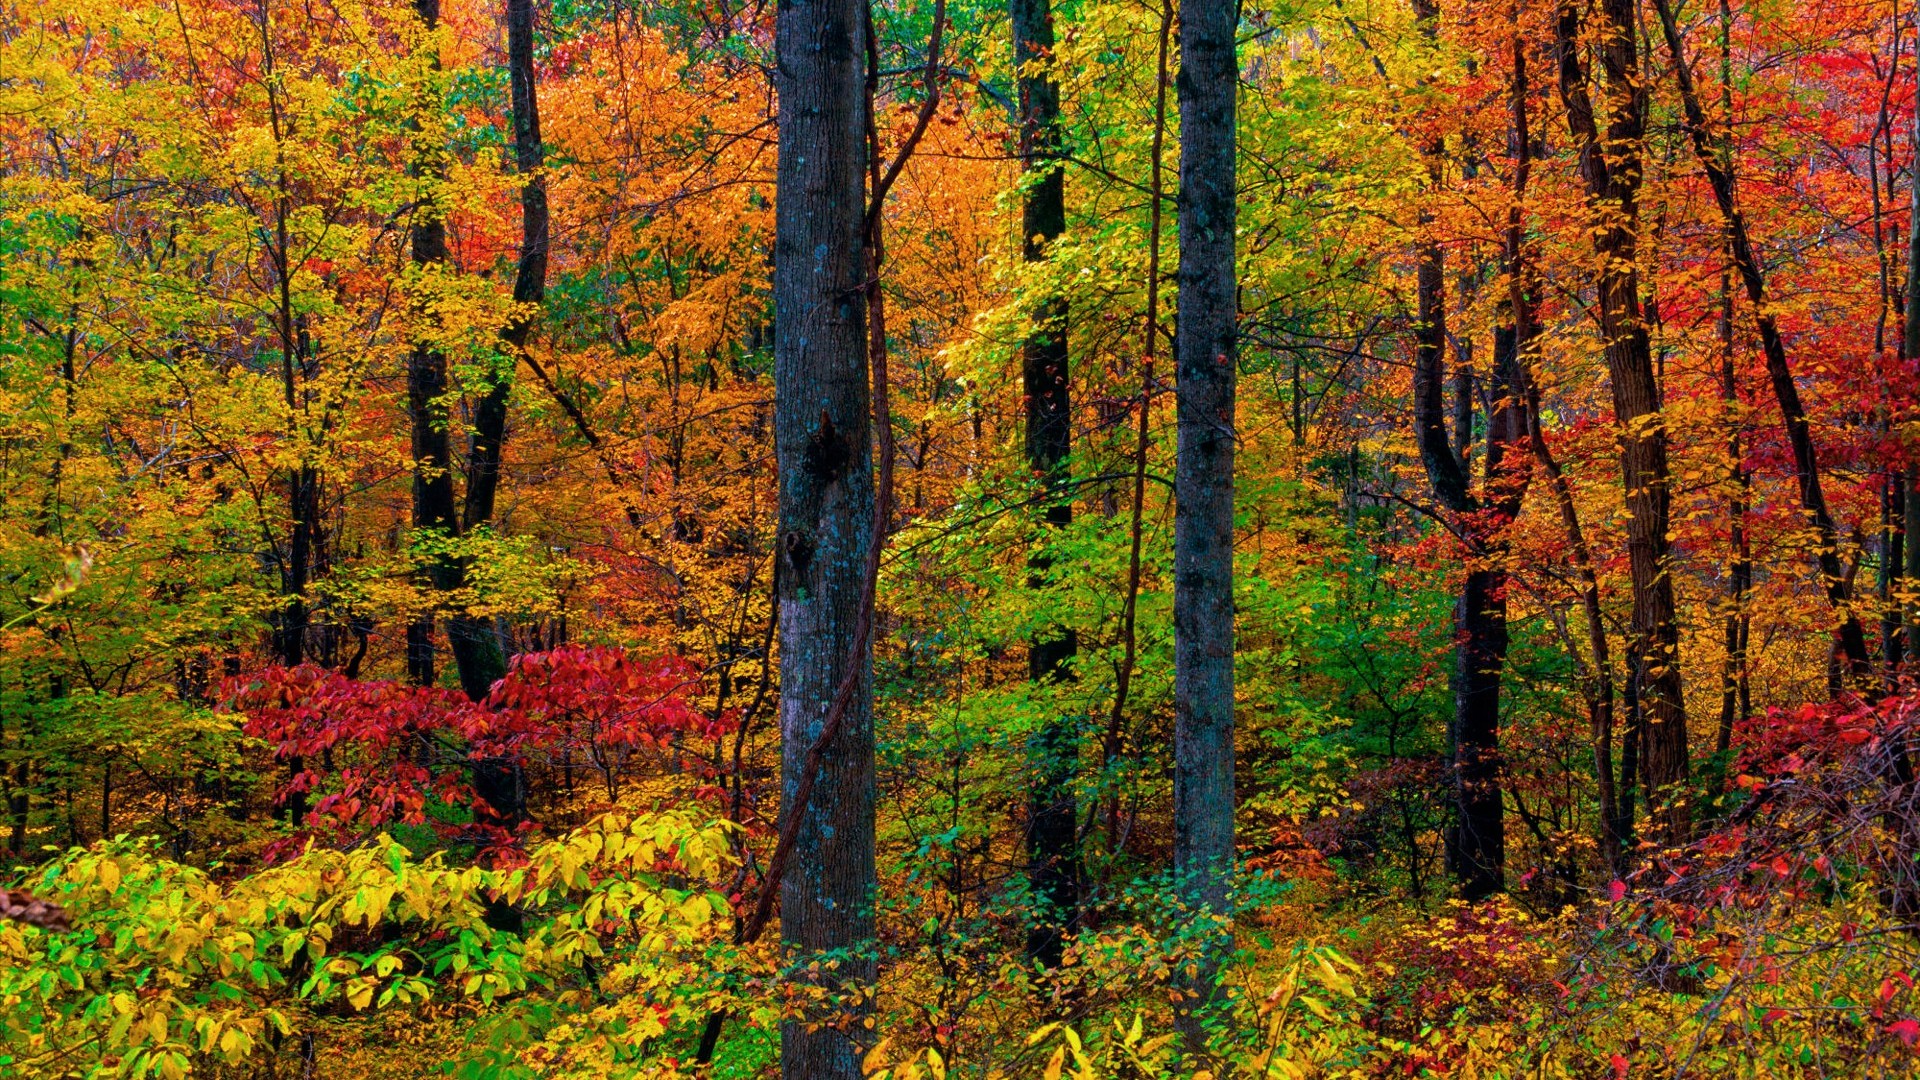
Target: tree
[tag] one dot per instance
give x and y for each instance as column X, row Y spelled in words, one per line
column 1206, row 360
column 822, row 440
column 428, row 384
column 1612, row 170
column 1053, row 854
column 1476, row 841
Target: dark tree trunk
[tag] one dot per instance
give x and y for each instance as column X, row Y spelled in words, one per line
column 427, row 388
column 822, row 440
column 1053, row 853
column 1611, row 169
column 1478, row 843
column 1910, row 351
column 1737, row 626
column 1206, row 365
column 1478, row 848
column 475, row 646
column 1476, row 839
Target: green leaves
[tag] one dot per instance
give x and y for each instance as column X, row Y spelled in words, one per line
column 167, row 966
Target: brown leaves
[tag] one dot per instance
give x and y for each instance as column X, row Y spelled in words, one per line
column 30, row 909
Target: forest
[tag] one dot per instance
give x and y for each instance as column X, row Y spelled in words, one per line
column 992, row 539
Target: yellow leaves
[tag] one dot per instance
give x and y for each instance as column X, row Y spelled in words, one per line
column 1329, row 977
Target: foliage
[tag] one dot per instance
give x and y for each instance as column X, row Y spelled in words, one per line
column 283, row 845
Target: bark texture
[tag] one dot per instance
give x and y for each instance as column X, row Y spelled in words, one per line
column 1611, row 167
column 822, row 436
column 1206, row 365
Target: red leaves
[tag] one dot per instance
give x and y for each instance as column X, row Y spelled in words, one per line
column 1785, row 742
column 1617, row 891
column 382, row 752
column 597, row 693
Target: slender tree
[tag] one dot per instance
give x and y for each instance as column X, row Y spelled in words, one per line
column 1851, row 639
column 1206, row 363
column 1910, row 349
column 427, row 382
column 1611, row 169
column 475, row 646
column 1476, row 840
column 1053, row 854
column 822, row 434
column 477, row 653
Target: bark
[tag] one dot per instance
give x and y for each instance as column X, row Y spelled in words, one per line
column 1478, row 844
column 530, row 269
column 427, row 390
column 1205, row 369
column 1852, row 641
column 290, row 626
column 1611, row 170
column 475, row 646
column 1053, row 854
column 1476, row 840
column 1445, row 469
column 822, row 442
column 1736, row 627
column 303, row 485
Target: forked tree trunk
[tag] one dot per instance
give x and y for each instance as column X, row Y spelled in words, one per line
column 1611, row 167
column 822, row 438
column 1206, row 362
column 475, row 646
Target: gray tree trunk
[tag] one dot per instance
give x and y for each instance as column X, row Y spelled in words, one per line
column 1204, row 353
column 822, row 440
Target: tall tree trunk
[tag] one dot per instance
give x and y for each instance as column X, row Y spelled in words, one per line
column 1852, row 639
column 475, row 646
column 427, row 382
column 822, row 434
column 1736, row 627
column 1206, row 365
column 1611, row 169
column 1476, row 840
column 1053, row 853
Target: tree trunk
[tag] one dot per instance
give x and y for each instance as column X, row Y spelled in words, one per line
column 1476, row 840
column 475, row 646
column 822, row 435
column 427, row 386
column 1053, row 855
column 1611, row 170
column 1206, row 363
